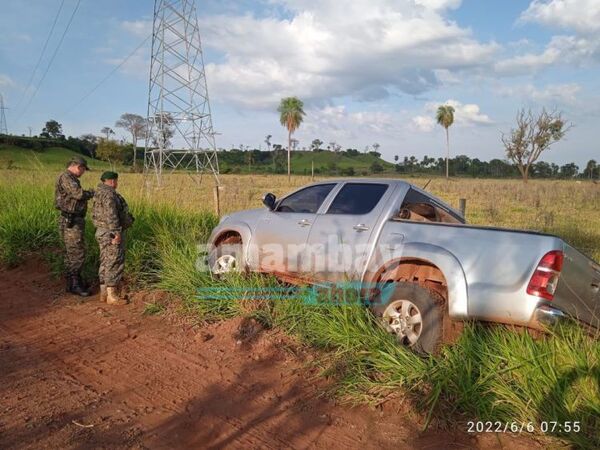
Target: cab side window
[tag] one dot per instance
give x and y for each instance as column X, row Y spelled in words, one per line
column 357, row 198
column 418, row 207
column 307, row 200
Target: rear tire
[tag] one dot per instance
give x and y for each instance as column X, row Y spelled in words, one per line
column 226, row 257
column 415, row 316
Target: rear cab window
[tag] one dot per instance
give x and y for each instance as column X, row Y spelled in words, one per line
column 357, row 198
column 418, row 207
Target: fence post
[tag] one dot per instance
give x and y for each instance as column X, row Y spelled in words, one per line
column 312, row 170
column 217, row 200
column 462, row 205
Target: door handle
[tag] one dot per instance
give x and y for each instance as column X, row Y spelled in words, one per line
column 304, row 223
column 360, row 227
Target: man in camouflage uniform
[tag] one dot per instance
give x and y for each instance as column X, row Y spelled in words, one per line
column 111, row 217
column 71, row 200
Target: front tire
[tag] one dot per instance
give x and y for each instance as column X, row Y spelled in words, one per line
column 226, row 257
column 414, row 315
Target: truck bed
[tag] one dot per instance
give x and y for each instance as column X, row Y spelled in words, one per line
column 498, row 263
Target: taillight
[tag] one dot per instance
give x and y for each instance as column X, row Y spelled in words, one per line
column 545, row 278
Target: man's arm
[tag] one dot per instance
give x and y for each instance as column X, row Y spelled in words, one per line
column 74, row 189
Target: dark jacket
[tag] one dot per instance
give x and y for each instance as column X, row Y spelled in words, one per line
column 110, row 210
column 69, row 196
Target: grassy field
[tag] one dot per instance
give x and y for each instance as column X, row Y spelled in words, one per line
column 54, row 158
column 13, row 157
column 301, row 161
column 490, row 374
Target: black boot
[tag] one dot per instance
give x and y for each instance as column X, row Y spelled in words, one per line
column 77, row 288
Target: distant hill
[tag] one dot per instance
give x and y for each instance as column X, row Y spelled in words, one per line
column 231, row 161
column 325, row 162
column 54, row 158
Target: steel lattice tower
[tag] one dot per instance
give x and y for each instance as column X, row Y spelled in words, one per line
column 180, row 132
column 3, row 126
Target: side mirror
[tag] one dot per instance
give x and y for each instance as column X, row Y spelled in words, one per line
column 269, row 201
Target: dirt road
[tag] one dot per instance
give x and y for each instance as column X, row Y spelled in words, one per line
column 79, row 374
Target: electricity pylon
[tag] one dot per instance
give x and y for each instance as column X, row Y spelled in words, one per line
column 180, row 132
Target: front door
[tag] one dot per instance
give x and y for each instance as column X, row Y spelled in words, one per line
column 281, row 234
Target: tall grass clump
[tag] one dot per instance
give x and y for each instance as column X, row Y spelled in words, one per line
column 28, row 222
column 493, row 373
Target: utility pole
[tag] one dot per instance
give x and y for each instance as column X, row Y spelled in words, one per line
column 180, row 132
column 3, row 126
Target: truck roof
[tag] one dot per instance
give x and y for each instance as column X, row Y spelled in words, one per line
column 363, row 180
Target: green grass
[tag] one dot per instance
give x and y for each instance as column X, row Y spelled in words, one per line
column 151, row 309
column 492, row 373
column 53, row 158
column 302, row 161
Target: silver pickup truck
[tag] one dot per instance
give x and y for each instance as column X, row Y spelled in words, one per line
column 421, row 265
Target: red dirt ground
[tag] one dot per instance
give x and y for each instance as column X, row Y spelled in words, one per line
column 81, row 374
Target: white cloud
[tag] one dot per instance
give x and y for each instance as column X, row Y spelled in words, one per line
column 561, row 50
column 580, row 15
column 466, row 115
column 423, row 123
column 439, row 4
column 339, row 124
column 551, row 94
column 579, row 49
column 23, row 37
column 6, row 81
column 328, row 49
column 138, row 64
column 140, row 28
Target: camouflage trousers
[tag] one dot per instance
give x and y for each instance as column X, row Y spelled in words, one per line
column 73, row 239
column 112, row 258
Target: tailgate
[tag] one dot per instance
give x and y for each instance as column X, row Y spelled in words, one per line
column 578, row 290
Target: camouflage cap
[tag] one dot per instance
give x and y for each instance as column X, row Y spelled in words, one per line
column 108, row 175
column 78, row 160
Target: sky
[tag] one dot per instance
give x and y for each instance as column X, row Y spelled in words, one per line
column 368, row 71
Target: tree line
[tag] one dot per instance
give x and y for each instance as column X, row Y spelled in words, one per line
column 524, row 144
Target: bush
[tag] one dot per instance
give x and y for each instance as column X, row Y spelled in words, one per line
column 111, row 151
column 40, row 144
column 376, row 167
column 348, row 171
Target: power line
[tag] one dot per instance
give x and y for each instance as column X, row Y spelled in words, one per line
column 111, row 73
column 37, row 64
column 62, row 38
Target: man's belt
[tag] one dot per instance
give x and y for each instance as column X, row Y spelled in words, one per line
column 69, row 215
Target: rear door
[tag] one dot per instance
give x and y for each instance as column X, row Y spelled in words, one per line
column 341, row 236
column 280, row 235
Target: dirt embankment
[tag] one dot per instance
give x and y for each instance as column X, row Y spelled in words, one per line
column 80, row 374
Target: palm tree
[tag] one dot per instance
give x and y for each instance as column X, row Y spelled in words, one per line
column 445, row 118
column 291, row 116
